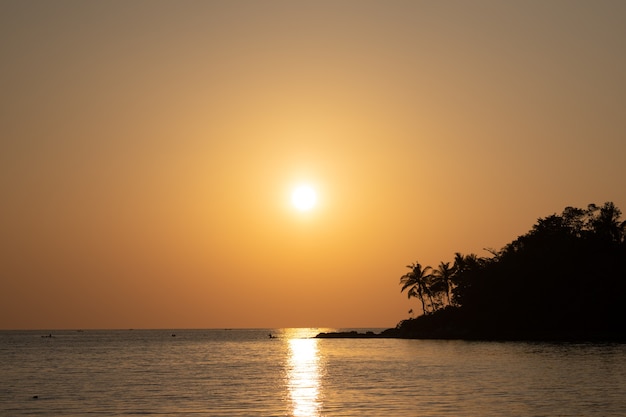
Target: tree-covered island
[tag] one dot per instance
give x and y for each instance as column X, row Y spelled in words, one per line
column 564, row 280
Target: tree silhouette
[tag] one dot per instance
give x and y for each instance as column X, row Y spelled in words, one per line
column 466, row 269
column 442, row 282
column 418, row 283
column 607, row 225
column 564, row 279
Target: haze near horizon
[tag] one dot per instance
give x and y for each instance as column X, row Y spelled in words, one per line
column 149, row 151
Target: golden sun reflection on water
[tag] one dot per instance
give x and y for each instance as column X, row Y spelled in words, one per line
column 304, row 377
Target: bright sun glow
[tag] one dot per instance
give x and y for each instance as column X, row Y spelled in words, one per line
column 304, row 197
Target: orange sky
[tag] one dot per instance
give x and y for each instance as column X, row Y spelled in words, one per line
column 148, row 150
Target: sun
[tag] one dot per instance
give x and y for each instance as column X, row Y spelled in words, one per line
column 304, row 197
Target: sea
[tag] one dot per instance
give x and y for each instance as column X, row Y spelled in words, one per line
column 245, row 372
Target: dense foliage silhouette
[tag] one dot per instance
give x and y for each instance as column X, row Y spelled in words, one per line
column 563, row 280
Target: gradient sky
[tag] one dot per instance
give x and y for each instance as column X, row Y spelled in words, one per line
column 148, row 150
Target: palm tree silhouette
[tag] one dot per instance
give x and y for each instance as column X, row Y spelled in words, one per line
column 607, row 223
column 443, row 278
column 417, row 281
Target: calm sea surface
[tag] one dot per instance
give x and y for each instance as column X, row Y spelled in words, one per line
column 245, row 373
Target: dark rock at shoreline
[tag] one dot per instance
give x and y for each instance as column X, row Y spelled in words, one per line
column 453, row 323
column 347, row 335
column 441, row 334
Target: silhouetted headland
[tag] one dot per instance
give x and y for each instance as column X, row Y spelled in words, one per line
column 564, row 280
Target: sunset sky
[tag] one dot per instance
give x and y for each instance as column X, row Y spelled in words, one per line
column 149, row 149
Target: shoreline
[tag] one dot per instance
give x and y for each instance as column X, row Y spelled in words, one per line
column 395, row 333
